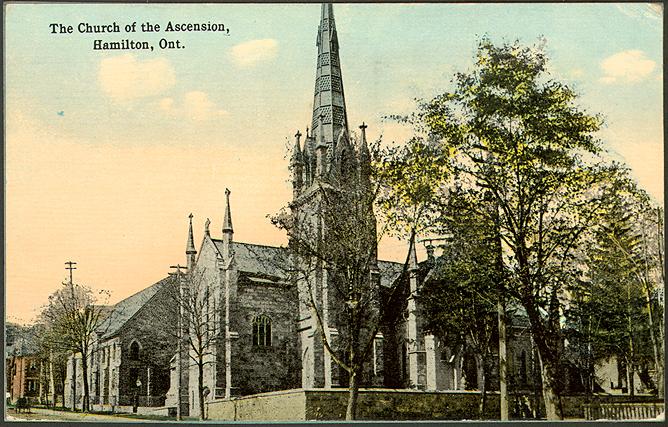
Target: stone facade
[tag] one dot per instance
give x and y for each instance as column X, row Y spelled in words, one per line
column 129, row 362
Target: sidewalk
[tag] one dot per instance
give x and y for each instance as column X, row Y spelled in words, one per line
column 43, row 414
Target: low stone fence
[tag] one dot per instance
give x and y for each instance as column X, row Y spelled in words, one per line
column 287, row 405
column 398, row 404
column 373, row 404
column 623, row 411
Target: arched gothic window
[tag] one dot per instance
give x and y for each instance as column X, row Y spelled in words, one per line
column 262, row 331
column 523, row 368
column 134, row 351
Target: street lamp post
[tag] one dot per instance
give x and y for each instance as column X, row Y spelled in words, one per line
column 135, row 401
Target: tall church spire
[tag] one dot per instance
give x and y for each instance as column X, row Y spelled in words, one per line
column 190, row 246
column 328, row 100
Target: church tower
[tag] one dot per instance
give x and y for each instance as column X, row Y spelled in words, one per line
column 330, row 181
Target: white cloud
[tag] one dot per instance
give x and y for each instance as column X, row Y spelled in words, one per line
column 652, row 11
column 628, row 66
column 125, row 77
column 250, row 53
column 195, row 105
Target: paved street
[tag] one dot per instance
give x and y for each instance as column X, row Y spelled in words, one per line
column 42, row 414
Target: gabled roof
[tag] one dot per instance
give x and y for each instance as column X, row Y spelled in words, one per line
column 257, row 259
column 126, row 309
column 265, row 260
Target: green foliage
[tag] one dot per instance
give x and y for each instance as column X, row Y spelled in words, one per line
column 460, row 295
column 412, row 180
column 614, row 310
column 525, row 157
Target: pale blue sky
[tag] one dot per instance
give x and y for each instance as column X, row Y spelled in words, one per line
column 146, row 138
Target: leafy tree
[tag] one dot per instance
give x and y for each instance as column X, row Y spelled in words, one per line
column 615, row 309
column 459, row 300
column 73, row 316
column 518, row 136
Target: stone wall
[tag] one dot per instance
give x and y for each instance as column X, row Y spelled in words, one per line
column 156, row 347
column 386, row 404
column 374, row 404
column 288, row 405
column 380, row 404
column 258, row 369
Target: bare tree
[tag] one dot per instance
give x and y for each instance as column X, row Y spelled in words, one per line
column 333, row 247
column 73, row 316
column 54, row 360
column 192, row 303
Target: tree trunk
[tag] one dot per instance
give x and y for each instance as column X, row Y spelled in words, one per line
column 52, row 379
column 353, row 391
column 503, row 360
column 86, row 397
column 42, row 376
column 483, row 389
column 547, row 360
column 658, row 368
column 62, row 386
column 551, row 398
column 200, row 388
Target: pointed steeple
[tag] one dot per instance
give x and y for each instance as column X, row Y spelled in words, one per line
column 328, row 100
column 190, row 246
column 364, row 158
column 227, row 219
column 228, row 232
column 412, row 261
column 297, row 165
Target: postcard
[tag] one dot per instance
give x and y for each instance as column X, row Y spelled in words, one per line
column 338, row 211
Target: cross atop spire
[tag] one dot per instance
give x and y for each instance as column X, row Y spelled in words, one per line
column 328, row 100
column 190, row 247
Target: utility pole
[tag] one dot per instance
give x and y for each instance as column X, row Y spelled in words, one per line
column 502, row 320
column 70, row 266
column 179, row 334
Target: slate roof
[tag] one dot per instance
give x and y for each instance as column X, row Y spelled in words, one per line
column 389, row 272
column 265, row 260
column 127, row 308
column 257, row 259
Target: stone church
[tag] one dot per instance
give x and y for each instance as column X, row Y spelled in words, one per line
column 264, row 336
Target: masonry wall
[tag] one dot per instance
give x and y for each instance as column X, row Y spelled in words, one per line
column 23, row 377
column 257, row 369
column 375, row 404
column 275, row 406
column 383, row 404
column 155, row 334
column 400, row 405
